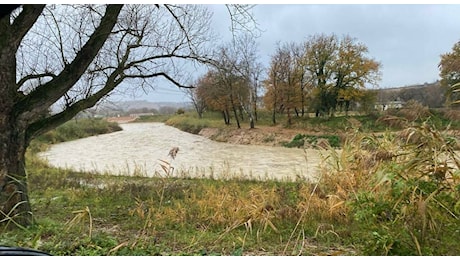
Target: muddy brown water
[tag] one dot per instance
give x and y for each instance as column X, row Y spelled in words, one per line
column 142, row 149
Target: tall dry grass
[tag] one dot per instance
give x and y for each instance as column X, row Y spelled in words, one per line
column 404, row 187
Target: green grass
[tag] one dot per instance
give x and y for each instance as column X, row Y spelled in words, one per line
column 78, row 128
column 376, row 197
column 153, row 118
column 391, row 120
column 314, row 141
column 156, row 216
column 72, row 130
column 189, row 122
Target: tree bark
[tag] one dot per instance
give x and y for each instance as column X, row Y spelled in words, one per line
column 234, row 111
column 15, row 208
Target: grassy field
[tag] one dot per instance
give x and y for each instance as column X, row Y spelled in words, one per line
column 390, row 120
column 382, row 195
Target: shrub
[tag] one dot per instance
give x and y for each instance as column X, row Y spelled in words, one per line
column 80, row 128
column 404, row 188
column 316, row 141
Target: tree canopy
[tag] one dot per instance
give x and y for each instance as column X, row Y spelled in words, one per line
column 450, row 73
column 329, row 71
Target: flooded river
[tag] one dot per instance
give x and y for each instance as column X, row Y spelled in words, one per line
column 142, row 149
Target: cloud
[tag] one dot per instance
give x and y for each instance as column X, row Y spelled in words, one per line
column 407, row 39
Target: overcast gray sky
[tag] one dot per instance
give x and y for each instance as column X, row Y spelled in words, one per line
column 406, row 39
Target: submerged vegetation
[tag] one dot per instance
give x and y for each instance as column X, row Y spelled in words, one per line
column 387, row 193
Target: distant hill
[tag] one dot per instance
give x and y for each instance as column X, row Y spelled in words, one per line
column 139, row 104
column 428, row 94
column 136, row 106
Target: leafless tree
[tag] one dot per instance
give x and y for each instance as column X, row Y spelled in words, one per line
column 74, row 56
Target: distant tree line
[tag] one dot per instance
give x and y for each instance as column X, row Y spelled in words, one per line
column 429, row 94
column 324, row 74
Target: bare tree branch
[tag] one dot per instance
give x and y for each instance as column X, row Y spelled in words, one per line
column 158, row 75
column 36, row 76
column 242, row 19
column 25, row 21
column 6, row 10
column 51, row 122
column 47, row 94
column 179, row 23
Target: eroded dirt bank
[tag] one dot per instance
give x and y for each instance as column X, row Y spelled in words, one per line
column 270, row 136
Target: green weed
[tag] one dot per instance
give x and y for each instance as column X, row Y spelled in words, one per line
column 315, row 141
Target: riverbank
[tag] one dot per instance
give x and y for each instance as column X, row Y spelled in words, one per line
column 263, row 135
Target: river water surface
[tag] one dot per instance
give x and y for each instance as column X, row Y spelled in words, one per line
column 142, row 149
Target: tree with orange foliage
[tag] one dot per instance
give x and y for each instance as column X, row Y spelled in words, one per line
column 214, row 95
column 338, row 68
column 450, row 73
column 283, row 93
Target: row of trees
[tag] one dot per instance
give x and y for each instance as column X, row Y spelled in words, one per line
column 324, row 73
column 231, row 84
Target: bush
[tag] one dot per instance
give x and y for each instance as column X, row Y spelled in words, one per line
column 76, row 129
column 412, row 111
column 402, row 191
column 316, row 141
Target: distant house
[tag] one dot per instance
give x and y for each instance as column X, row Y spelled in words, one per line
column 395, row 104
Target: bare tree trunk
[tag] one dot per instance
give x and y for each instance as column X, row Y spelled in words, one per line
column 303, row 103
column 236, row 116
column 289, row 116
column 254, row 100
column 232, row 101
column 14, row 203
column 15, row 208
column 21, row 115
column 255, row 110
column 249, row 112
column 199, row 111
column 226, row 116
column 240, row 109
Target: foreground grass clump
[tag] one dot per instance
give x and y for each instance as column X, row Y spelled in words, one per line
column 401, row 190
column 390, row 194
column 86, row 214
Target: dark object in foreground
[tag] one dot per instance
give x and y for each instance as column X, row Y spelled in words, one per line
column 18, row 251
